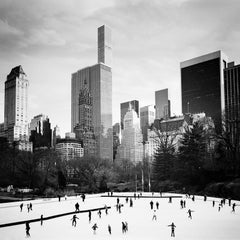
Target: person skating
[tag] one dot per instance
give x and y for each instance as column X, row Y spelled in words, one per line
column 213, row 203
column 154, row 216
column 157, row 205
column 89, row 216
column 172, row 229
column 151, row 205
column 94, row 227
column 41, row 220
column 74, row 220
column 109, row 229
column 77, row 207
column 99, row 213
column 27, row 229
column 233, row 207
column 124, row 227
column 106, row 209
column 170, row 200
column 229, row 202
column 21, row 207
column 30, row 206
column 190, row 213
column 131, row 203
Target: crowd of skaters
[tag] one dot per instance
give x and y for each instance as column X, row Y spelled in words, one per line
column 119, row 205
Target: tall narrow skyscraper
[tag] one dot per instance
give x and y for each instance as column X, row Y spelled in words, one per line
column 97, row 79
column 203, row 85
column 104, row 45
column 16, row 108
column 162, row 104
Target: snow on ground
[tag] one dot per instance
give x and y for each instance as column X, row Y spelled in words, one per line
column 206, row 223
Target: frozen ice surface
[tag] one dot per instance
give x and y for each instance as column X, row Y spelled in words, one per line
column 206, row 223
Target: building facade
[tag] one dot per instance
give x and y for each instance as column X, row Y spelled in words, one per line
column 162, row 104
column 124, row 109
column 232, row 104
column 16, row 108
column 97, row 79
column 56, row 135
column 147, row 117
column 131, row 147
column 40, row 132
column 69, row 147
column 202, row 85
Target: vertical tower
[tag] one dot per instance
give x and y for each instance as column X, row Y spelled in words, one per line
column 124, row 109
column 162, row 104
column 104, row 45
column 16, row 105
column 98, row 80
column 203, row 85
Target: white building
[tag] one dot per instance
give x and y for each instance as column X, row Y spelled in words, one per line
column 132, row 141
column 69, row 147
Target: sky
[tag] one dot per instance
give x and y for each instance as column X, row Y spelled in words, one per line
column 52, row 39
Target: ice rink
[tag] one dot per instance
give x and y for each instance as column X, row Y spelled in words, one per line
column 207, row 221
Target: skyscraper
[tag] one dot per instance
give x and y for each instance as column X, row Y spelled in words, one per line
column 98, row 80
column 202, row 85
column 131, row 147
column 41, row 132
column 162, row 104
column 124, row 109
column 147, row 116
column 16, row 108
column 55, row 136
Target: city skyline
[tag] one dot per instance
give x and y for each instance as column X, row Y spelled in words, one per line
column 145, row 52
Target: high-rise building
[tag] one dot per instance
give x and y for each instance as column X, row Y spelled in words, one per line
column 41, row 132
column 232, row 103
column 202, row 85
column 162, row 104
column 116, row 138
column 147, row 117
column 97, row 79
column 131, row 147
column 104, row 45
column 55, row 136
column 124, row 109
column 16, row 108
column 84, row 129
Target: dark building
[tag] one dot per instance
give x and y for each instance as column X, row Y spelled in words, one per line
column 232, row 103
column 41, row 132
column 125, row 106
column 116, row 138
column 202, row 85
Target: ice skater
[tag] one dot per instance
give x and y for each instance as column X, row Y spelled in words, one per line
column 30, row 206
column 109, row 229
column 124, row 227
column 229, row 202
column 106, row 209
column 89, row 216
column 41, row 220
column 94, row 227
column 151, row 205
column 154, row 216
column 157, row 205
column 172, row 229
column 99, row 213
column 74, row 220
column 27, row 229
column 170, row 200
column 213, row 203
column 190, row 213
column 233, row 207
column 77, row 207
column 21, row 207
column 131, row 203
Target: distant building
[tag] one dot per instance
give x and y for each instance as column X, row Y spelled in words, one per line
column 162, row 104
column 16, row 109
column 40, row 132
column 55, row 136
column 69, row 147
column 132, row 141
column 124, row 109
column 202, row 85
column 97, row 79
column 147, row 117
column 232, row 103
column 116, row 138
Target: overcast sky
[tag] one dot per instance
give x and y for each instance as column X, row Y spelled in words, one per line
column 51, row 39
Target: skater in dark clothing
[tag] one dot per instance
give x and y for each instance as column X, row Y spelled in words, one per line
column 181, row 203
column 30, row 206
column 219, row 207
column 131, row 202
column 233, row 207
column 118, row 200
column 83, row 197
column 59, row 198
column 154, row 215
column 184, row 203
column 99, row 213
column 151, row 205
column 89, row 216
column 170, row 200
column 94, row 227
column 229, row 202
column 193, row 198
column 123, row 227
column 106, row 209
column 119, row 208
column 172, row 229
column 109, row 229
column 41, row 220
column 205, row 198
column 74, row 220
column 126, row 199
column 213, row 203
column 190, row 213
column 21, row 207
column 157, row 205
column 27, row 229
column 126, row 226
column 77, row 207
